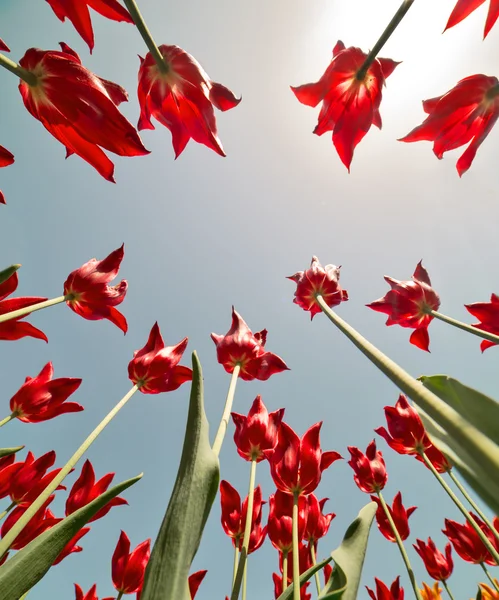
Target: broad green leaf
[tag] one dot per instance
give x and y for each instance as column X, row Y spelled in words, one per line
column 189, row 506
column 29, row 565
column 8, row 272
column 477, row 408
column 9, row 451
column 349, row 558
column 304, row 577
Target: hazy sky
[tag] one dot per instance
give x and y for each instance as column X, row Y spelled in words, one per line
column 204, row 232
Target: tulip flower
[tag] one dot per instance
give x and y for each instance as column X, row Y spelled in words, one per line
column 488, row 593
column 256, row 432
column 85, row 489
column 78, row 108
column 439, row 567
column 234, row 517
column 77, row 12
column 407, row 304
column 16, row 329
column 315, row 281
column 488, row 315
column 467, row 543
column 297, row 465
column 369, row 468
column 279, row 526
column 317, row 522
column 195, row 581
column 431, row 593
column 407, row 433
column 437, row 459
column 277, row 579
column 128, row 568
column 182, row 99
column 350, row 97
column 42, row 398
column 90, row 595
column 466, row 113
column 399, row 514
column 88, row 294
column 305, row 561
column 42, row 520
column 240, row 347
column 383, row 593
column 464, row 8
column 155, row 369
column 71, row 547
column 6, row 157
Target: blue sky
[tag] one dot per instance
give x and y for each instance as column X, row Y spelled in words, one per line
column 203, row 233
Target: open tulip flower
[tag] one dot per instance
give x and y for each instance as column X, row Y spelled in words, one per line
column 400, row 516
column 467, row 543
column 315, row 281
column 487, row 592
column 407, row 303
column 240, row 347
column 128, row 568
column 395, row 592
column 78, row 108
column 439, row 567
column 42, row 520
column 6, row 474
column 90, row 595
column 181, row 97
column 464, row 8
column 6, row 159
column 77, row 12
column 431, row 593
column 280, row 520
column 464, row 114
column 488, row 315
column 369, row 469
column 16, row 329
column 350, row 97
column 317, row 522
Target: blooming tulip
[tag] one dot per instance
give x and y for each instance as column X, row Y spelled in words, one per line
column 29, row 478
column 383, row 593
column 41, row 521
column 369, row 468
column 279, row 526
column 6, row 157
column 305, row 561
column 399, row 514
column 90, row 595
column 128, row 568
column 464, row 8
column 488, row 315
column 487, row 592
column 71, row 547
column 431, row 593
column 439, row 567
column 467, row 543
column 234, row 517
column 317, row 522
column 6, row 474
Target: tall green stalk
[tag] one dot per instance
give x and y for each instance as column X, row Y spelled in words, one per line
column 224, row 422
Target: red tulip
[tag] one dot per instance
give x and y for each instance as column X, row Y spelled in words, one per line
column 437, row 459
column 239, row 346
column 383, row 593
column 6, row 473
column 464, row 114
column 88, row 294
column 182, row 99
column 6, row 157
column 155, row 369
column 318, row 280
column 15, row 329
column 41, row 521
column 128, row 568
column 71, row 546
column 369, row 468
column 488, row 315
column 400, row 516
column 296, row 465
column 29, row 478
column 317, row 522
column 407, row 433
column 256, row 432
column 3, row 46
column 77, row 12
column 85, row 490
column 350, row 104
column 464, row 8
column 279, row 526
column 467, row 543
column 90, row 595
column 78, row 108
column 439, row 567
column 304, row 595
column 42, row 398
column 328, row 571
column 195, row 581
column 305, row 561
column 407, row 303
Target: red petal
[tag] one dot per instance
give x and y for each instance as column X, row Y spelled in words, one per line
column 462, row 9
column 420, row 338
column 223, row 99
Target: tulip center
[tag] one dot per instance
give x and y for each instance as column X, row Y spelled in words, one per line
column 492, row 93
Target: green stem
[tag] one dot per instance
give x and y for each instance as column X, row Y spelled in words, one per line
column 401, row 547
column 236, row 561
column 15, row 314
column 119, row 596
column 473, row 504
column 236, row 588
column 485, row 570
column 7, row 419
column 7, row 510
column 447, row 589
column 284, row 571
column 245, row 579
column 485, row 540
column 224, row 423
column 385, row 36
column 477, row 445
column 12, row 534
column 464, row 326
column 296, row 552
column 138, row 19
column 314, row 562
column 13, row 67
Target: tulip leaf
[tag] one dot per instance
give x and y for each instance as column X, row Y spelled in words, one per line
column 19, row 574
column 8, row 272
column 189, row 506
column 304, row 577
column 349, row 558
column 9, row 451
column 477, row 408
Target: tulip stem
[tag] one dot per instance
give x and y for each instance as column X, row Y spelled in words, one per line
column 224, row 423
column 447, row 589
column 284, row 571
column 7, row 510
column 13, row 67
column 119, row 596
column 473, row 504
column 385, row 36
column 401, row 546
column 481, row 448
column 314, row 562
column 485, row 540
column 296, row 552
column 236, row 588
column 245, row 579
column 7, row 419
column 138, row 19
column 12, row 534
column 236, row 562
column 465, row 327
column 485, row 570
column 16, row 314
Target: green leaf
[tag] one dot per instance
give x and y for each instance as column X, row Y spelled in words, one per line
column 9, row 451
column 8, row 272
column 349, row 558
column 304, row 577
column 189, row 506
column 29, row 565
column 477, row 408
